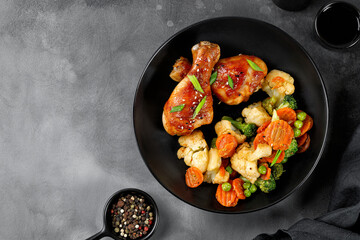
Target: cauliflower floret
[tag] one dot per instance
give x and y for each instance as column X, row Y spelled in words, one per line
column 277, row 84
column 200, row 160
column 256, row 114
column 194, row 141
column 214, row 160
column 225, row 127
column 186, row 154
column 221, row 177
column 211, row 175
column 215, row 177
column 240, row 163
column 262, row 150
column 194, row 150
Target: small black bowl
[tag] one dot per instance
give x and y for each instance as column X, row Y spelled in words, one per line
column 108, row 231
column 337, row 25
column 292, row 5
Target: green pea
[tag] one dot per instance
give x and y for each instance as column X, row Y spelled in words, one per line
column 298, row 124
column 226, row 186
column 253, row 188
column 246, row 185
column 297, row 132
column 285, row 160
column 262, row 169
column 301, row 116
column 247, row 193
column 229, row 169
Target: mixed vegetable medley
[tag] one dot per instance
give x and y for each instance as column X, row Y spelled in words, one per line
column 250, row 151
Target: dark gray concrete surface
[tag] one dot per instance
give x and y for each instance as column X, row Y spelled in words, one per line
column 68, row 74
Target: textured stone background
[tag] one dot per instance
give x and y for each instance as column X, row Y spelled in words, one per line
column 68, row 73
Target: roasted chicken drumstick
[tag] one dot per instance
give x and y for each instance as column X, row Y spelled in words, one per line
column 190, row 104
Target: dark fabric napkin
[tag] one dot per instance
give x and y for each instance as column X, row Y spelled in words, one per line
column 342, row 222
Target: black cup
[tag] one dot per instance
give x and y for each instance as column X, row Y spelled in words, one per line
column 292, row 5
column 337, row 25
column 108, row 230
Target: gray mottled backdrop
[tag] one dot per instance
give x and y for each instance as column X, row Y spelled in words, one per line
column 68, row 73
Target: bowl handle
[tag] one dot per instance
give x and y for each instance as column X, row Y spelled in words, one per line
column 98, row 235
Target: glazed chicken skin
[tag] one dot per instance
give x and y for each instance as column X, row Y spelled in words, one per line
column 183, row 122
column 245, row 79
column 180, row 69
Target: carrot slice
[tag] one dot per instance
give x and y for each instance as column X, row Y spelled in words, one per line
column 305, row 146
column 279, row 135
column 267, row 175
column 260, row 138
column 262, row 160
column 222, row 171
column 272, row 156
column 193, row 177
column 287, row 114
column 263, row 127
column 307, row 123
column 227, row 199
column 226, row 144
column 237, row 185
column 301, row 140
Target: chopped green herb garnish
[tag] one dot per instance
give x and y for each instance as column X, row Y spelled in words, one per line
column 277, row 155
column 254, row 65
column 229, row 169
column 244, row 179
column 231, row 83
column 195, row 83
column 177, row 108
column 213, row 78
column 198, row 108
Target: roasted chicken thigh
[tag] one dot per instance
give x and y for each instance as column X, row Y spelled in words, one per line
column 236, row 79
column 190, row 107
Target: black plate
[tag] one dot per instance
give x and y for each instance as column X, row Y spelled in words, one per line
column 234, row 35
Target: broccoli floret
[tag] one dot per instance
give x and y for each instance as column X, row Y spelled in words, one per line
column 213, row 143
column 239, row 119
column 293, row 148
column 227, row 118
column 288, row 101
column 248, row 129
column 268, row 104
column 266, row 185
column 277, row 170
